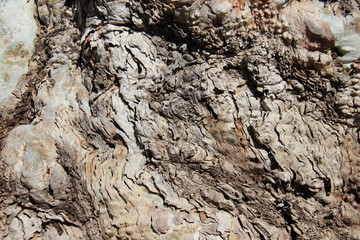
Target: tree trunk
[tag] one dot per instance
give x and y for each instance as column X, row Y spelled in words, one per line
column 182, row 119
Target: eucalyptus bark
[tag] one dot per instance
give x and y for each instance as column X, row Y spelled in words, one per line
column 185, row 119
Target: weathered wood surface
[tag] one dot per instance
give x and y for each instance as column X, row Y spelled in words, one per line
column 183, row 119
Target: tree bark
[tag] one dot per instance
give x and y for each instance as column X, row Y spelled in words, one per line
column 185, row 119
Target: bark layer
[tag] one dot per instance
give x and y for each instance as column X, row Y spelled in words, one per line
column 186, row 120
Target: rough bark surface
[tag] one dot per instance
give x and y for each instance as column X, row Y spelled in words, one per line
column 185, row 119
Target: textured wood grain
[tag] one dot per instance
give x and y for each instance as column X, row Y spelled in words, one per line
column 186, row 120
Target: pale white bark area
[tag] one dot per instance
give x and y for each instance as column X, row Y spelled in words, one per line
column 18, row 30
